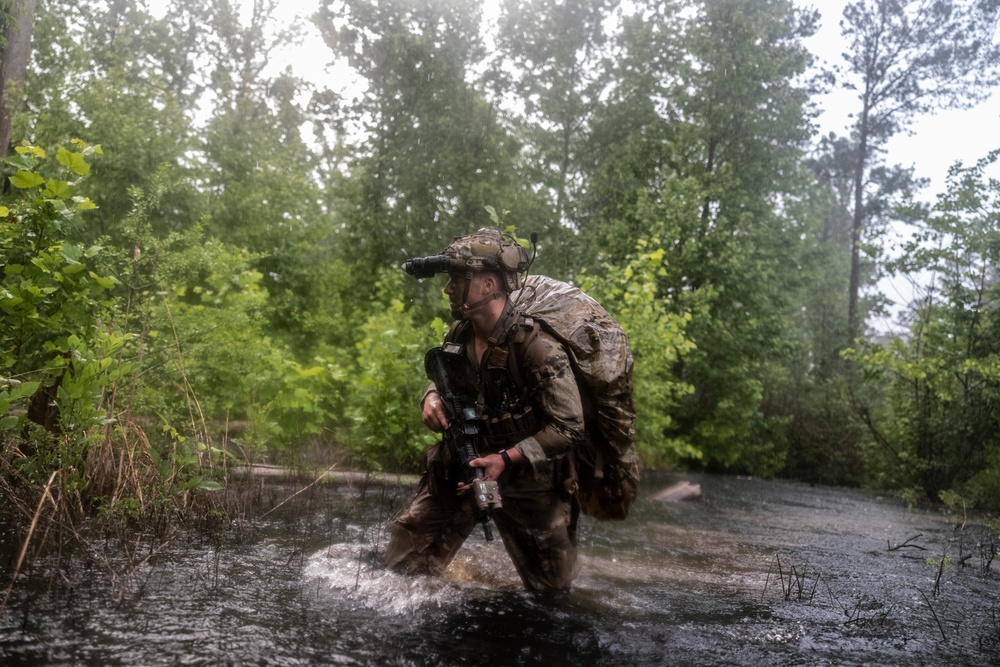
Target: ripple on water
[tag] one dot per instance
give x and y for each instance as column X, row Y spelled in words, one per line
column 756, row 573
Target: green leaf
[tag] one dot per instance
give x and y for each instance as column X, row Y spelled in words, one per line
column 84, row 204
column 9, row 300
column 26, row 179
column 71, row 252
column 24, row 389
column 4, row 211
column 209, row 485
column 74, row 161
column 40, row 264
column 60, row 189
column 106, row 283
column 32, row 150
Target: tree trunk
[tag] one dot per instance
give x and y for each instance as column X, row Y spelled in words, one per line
column 853, row 316
column 15, row 62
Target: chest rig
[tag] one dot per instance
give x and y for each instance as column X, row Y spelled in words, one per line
column 503, row 399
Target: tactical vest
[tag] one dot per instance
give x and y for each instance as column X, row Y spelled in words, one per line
column 499, row 390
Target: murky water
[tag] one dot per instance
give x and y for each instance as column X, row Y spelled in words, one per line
column 757, row 572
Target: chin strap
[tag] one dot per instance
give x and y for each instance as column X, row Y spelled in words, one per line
column 468, row 307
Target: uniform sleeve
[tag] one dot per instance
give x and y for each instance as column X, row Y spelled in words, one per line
column 431, row 387
column 553, row 389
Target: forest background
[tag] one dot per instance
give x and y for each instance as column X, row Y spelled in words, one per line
column 202, row 254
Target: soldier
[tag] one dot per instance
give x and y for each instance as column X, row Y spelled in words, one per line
column 533, row 418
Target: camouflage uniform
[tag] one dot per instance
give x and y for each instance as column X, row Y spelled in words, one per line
column 529, row 400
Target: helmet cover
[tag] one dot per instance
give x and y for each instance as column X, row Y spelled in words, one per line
column 489, row 250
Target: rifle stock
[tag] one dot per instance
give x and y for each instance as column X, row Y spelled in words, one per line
column 463, row 431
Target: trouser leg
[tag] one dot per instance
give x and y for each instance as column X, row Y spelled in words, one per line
column 426, row 537
column 539, row 532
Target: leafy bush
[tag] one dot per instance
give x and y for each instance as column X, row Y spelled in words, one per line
column 59, row 348
column 386, row 429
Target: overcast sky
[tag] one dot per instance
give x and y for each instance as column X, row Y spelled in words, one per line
column 937, row 141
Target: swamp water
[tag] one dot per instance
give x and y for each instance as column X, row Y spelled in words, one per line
column 755, row 573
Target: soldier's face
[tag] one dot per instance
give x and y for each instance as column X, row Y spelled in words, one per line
column 456, row 284
column 462, row 290
column 455, row 289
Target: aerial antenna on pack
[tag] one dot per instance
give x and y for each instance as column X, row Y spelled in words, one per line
column 524, row 286
column 534, row 251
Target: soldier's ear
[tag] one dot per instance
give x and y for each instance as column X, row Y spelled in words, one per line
column 490, row 283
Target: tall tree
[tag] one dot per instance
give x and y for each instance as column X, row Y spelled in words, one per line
column 553, row 55
column 100, row 73
column 833, row 167
column 905, row 58
column 430, row 152
column 935, row 428
column 714, row 165
column 18, row 20
column 259, row 175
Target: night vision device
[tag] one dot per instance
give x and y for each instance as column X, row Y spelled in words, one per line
column 427, row 267
column 486, row 250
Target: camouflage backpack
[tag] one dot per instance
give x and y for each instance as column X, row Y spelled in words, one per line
column 607, row 466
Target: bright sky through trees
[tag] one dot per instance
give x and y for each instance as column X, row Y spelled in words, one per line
column 935, row 144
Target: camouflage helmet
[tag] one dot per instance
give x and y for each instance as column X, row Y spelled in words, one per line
column 489, row 250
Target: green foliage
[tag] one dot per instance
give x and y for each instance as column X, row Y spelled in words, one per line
column 386, row 428
column 703, row 172
column 434, row 150
column 12, row 393
column 554, row 56
column 57, row 298
column 934, row 425
column 209, row 316
column 207, row 336
column 657, row 336
column 95, row 78
column 307, row 400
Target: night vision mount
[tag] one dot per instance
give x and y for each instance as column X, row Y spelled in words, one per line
column 486, row 250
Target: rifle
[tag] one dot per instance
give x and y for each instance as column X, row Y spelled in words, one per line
column 463, row 431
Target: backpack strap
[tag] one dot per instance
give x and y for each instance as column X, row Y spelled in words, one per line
column 456, row 330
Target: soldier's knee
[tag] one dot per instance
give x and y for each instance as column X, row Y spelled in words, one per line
column 553, row 565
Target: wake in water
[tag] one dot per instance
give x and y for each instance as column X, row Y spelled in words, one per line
column 356, row 572
column 481, row 573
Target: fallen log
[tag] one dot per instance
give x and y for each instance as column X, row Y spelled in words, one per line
column 681, row 491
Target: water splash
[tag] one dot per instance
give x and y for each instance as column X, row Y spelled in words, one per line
column 356, row 573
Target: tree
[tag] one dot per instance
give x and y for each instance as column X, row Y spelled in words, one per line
column 710, row 169
column 17, row 25
column 905, row 58
column 431, row 151
column 102, row 72
column 936, row 429
column 553, row 56
column 832, row 165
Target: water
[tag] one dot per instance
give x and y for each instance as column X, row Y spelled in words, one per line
column 757, row 572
